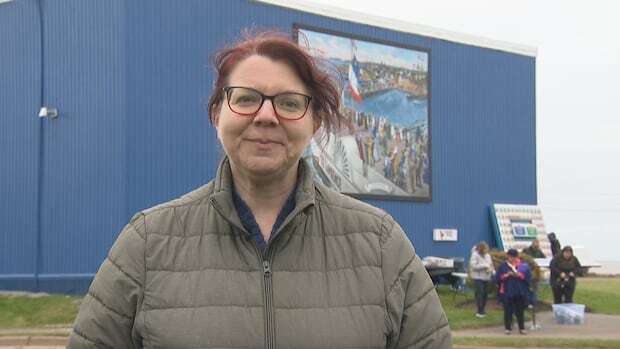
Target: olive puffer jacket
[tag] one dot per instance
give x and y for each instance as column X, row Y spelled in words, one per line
column 185, row 274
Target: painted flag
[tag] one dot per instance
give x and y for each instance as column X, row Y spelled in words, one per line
column 354, row 77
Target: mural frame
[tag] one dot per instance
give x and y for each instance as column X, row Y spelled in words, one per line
column 392, row 197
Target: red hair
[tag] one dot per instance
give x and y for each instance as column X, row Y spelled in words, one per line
column 279, row 46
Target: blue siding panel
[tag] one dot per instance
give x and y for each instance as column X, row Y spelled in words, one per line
column 172, row 146
column 19, row 142
column 131, row 81
column 84, row 157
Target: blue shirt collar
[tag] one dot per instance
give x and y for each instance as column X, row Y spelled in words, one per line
column 249, row 221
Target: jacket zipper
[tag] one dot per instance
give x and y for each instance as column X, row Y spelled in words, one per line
column 270, row 335
column 270, row 342
column 265, row 258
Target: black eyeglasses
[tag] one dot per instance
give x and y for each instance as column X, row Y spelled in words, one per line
column 247, row 101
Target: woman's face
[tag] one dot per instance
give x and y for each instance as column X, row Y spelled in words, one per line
column 264, row 145
column 567, row 254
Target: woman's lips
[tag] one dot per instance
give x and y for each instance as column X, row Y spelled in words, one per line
column 262, row 144
column 263, row 141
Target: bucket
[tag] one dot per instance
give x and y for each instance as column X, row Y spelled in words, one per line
column 568, row 313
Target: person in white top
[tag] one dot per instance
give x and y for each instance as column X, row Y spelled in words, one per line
column 482, row 270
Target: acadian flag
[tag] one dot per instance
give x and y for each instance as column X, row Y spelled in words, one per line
column 354, row 77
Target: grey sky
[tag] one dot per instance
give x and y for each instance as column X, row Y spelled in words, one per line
column 332, row 46
column 578, row 91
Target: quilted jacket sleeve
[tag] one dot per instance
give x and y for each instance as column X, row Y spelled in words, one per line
column 106, row 316
column 415, row 316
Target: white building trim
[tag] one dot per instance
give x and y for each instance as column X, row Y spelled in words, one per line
column 402, row 26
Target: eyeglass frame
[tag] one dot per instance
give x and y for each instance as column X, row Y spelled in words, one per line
column 263, row 96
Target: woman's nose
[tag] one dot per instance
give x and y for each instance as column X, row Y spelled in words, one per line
column 266, row 114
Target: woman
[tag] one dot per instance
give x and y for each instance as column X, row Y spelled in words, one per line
column 514, row 277
column 262, row 256
column 564, row 269
column 482, row 270
column 534, row 250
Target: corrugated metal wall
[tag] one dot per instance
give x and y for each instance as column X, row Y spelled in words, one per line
column 20, row 74
column 131, row 81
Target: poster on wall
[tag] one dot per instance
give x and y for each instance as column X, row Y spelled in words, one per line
column 383, row 149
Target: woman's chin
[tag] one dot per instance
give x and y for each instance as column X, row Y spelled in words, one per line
column 263, row 166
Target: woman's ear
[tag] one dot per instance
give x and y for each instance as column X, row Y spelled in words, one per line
column 215, row 116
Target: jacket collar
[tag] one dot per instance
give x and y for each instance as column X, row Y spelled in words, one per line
column 223, row 187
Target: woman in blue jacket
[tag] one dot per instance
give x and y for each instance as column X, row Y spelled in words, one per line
column 514, row 276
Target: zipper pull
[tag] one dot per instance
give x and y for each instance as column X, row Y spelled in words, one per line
column 266, row 268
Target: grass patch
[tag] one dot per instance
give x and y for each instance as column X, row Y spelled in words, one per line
column 23, row 312
column 536, row 342
column 460, row 309
column 600, row 294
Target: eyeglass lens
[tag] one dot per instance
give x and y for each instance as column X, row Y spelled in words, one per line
column 248, row 101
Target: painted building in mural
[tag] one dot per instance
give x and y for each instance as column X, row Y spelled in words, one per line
column 439, row 125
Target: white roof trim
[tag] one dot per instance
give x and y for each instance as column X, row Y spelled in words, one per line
column 402, row 26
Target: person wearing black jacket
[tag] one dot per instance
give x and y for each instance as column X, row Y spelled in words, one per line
column 555, row 244
column 564, row 269
column 534, row 250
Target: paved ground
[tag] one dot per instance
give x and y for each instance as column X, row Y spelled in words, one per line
column 596, row 326
column 32, row 342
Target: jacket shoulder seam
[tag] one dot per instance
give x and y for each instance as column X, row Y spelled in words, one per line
column 107, row 307
column 386, row 231
column 395, row 282
column 382, row 241
column 133, row 226
column 407, row 306
column 141, row 284
column 115, row 264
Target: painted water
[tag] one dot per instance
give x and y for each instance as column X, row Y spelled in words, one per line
column 395, row 105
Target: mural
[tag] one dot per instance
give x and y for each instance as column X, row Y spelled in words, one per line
column 383, row 149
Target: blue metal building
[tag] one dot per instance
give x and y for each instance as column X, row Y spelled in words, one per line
column 130, row 81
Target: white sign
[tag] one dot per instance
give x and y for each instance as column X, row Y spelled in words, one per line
column 445, row 234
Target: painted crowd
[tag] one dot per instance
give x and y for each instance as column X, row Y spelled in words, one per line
column 399, row 153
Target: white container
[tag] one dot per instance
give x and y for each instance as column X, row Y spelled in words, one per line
column 569, row 313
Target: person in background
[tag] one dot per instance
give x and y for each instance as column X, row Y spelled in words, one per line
column 514, row 276
column 534, row 250
column 564, row 269
column 482, row 270
column 555, row 244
